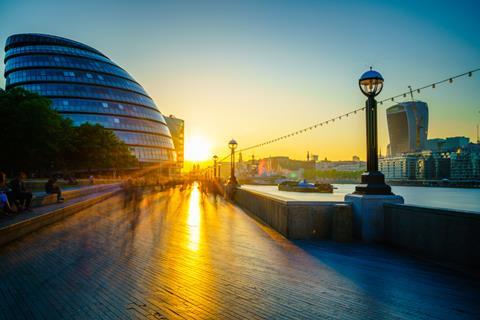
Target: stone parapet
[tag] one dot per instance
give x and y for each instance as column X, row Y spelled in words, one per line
column 298, row 219
column 442, row 234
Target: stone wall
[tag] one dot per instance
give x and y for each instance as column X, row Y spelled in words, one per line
column 299, row 219
column 437, row 233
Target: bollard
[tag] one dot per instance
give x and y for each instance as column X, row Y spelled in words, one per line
column 230, row 191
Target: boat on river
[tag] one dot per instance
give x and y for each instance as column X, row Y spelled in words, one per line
column 304, row 186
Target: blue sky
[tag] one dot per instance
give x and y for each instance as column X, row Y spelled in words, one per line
column 276, row 65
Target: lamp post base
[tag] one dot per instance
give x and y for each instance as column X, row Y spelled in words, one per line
column 230, row 188
column 373, row 183
column 232, row 181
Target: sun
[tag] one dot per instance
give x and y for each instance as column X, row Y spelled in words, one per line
column 197, row 148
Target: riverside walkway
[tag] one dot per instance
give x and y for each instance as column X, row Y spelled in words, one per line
column 183, row 255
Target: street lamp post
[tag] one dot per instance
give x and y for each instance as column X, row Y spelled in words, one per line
column 215, row 158
column 232, row 145
column 373, row 181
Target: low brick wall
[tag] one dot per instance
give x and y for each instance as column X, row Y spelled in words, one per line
column 438, row 233
column 299, row 219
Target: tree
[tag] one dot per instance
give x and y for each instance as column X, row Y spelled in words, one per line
column 98, row 148
column 33, row 136
column 36, row 138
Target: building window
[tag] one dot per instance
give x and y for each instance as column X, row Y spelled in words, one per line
column 105, row 105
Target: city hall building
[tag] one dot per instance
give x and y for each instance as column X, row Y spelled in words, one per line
column 87, row 87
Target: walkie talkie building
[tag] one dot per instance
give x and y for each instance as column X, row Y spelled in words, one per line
column 86, row 86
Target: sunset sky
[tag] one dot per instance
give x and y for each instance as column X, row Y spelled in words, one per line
column 254, row 70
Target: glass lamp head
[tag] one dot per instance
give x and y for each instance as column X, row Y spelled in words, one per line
column 232, row 144
column 215, row 157
column 371, row 83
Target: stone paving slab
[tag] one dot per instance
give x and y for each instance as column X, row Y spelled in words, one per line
column 183, row 255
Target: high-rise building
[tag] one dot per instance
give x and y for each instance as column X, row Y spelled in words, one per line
column 87, row 87
column 177, row 130
column 465, row 163
column 447, row 144
column 399, row 168
column 407, row 127
column 460, row 165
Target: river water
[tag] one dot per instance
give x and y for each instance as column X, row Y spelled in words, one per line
column 450, row 198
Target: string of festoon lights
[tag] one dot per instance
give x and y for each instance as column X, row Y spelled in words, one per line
column 432, row 85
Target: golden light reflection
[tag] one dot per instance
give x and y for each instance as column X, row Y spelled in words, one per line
column 194, row 219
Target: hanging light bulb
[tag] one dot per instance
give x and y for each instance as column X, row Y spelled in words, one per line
column 433, row 86
column 418, row 90
column 450, row 80
column 470, row 74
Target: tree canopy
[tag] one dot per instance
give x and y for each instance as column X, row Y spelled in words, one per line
column 36, row 138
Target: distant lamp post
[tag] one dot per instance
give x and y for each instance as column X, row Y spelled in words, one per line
column 232, row 145
column 373, row 181
column 215, row 158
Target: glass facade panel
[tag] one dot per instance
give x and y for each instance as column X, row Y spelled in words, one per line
column 39, row 61
column 54, row 50
column 88, row 91
column 87, row 87
column 144, row 139
column 121, row 123
column 153, row 155
column 113, row 108
column 20, row 40
column 58, row 75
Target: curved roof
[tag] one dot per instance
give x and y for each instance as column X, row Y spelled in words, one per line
column 23, row 39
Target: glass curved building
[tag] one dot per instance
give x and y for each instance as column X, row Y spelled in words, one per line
column 86, row 86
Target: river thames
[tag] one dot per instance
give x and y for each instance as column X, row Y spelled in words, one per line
column 450, row 198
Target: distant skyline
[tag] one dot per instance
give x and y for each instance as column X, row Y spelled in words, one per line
column 255, row 70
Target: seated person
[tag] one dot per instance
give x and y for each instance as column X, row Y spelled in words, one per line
column 4, row 203
column 19, row 194
column 52, row 187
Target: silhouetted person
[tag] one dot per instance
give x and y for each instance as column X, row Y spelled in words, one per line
column 51, row 187
column 4, row 202
column 19, row 194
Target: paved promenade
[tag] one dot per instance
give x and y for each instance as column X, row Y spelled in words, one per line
column 182, row 255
